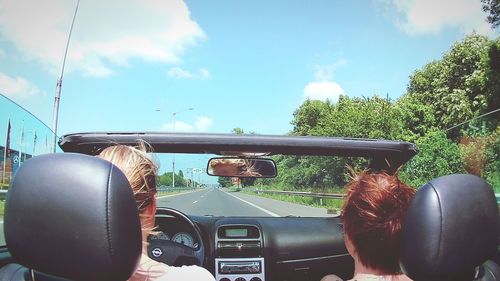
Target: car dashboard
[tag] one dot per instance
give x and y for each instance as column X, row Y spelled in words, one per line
column 265, row 248
column 169, row 228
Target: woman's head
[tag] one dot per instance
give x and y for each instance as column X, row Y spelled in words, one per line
column 373, row 214
column 141, row 171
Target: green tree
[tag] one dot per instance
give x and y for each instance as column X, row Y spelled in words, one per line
column 438, row 156
column 416, row 117
column 165, row 179
column 462, row 85
column 309, row 116
column 225, row 181
column 317, row 172
column 492, row 7
column 238, row 131
column 246, row 182
column 373, row 117
column 179, row 179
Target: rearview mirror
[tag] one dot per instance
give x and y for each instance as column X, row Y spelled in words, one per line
column 241, row 167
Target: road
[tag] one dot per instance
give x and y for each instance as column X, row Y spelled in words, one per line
column 219, row 202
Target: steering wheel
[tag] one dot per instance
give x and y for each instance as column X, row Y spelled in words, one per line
column 173, row 253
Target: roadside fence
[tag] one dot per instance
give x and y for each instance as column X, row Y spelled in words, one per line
column 321, row 196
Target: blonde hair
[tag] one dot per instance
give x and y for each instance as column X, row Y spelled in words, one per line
column 141, row 171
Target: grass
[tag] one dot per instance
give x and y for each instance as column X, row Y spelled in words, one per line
column 234, row 188
column 2, row 206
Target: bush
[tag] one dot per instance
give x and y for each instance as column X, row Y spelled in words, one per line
column 438, row 156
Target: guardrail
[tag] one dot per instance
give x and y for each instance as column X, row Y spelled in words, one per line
column 321, row 196
column 303, row 193
column 169, row 188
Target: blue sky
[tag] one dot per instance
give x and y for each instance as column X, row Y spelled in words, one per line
column 245, row 64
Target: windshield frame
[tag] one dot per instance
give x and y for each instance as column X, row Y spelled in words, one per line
column 385, row 153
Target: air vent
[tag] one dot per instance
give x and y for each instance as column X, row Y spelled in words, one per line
column 238, row 245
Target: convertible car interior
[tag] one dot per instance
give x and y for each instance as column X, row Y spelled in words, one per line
column 71, row 216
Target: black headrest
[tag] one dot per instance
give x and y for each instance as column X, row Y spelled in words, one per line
column 451, row 227
column 73, row 216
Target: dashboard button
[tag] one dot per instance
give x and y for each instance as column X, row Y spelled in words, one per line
column 256, row 279
column 240, row 279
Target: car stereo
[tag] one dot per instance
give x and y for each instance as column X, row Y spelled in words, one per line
column 239, row 253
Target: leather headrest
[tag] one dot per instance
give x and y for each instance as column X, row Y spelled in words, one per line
column 451, row 227
column 73, row 216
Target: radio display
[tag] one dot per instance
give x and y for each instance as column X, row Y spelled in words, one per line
column 236, row 232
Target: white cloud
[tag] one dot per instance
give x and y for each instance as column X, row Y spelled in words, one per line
column 17, row 88
column 179, row 127
column 325, row 72
column 106, row 33
column 177, row 72
column 324, row 87
column 323, row 90
column 431, row 16
column 201, row 124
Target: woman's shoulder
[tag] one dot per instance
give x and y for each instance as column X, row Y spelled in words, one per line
column 370, row 277
column 191, row 272
column 152, row 270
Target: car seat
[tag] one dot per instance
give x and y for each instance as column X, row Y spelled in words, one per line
column 71, row 216
column 451, row 231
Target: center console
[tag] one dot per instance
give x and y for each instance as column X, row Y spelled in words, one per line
column 239, row 253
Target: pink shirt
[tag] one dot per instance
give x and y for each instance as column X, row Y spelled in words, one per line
column 372, row 277
column 150, row 270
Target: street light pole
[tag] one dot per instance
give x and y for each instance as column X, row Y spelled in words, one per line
column 173, row 155
column 55, row 114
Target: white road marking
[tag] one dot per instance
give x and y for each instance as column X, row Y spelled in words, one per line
column 170, row 195
column 195, row 202
column 253, row 205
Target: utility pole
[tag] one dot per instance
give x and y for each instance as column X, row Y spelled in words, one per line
column 173, row 130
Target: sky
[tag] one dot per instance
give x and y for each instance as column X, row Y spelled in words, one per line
column 249, row 64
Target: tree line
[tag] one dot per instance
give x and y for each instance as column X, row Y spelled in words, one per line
column 450, row 110
column 180, row 181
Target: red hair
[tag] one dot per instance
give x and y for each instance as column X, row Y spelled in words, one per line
column 373, row 213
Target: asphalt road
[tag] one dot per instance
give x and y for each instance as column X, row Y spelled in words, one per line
column 218, row 202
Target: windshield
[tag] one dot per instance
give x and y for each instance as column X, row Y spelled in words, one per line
column 418, row 72
column 307, row 186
